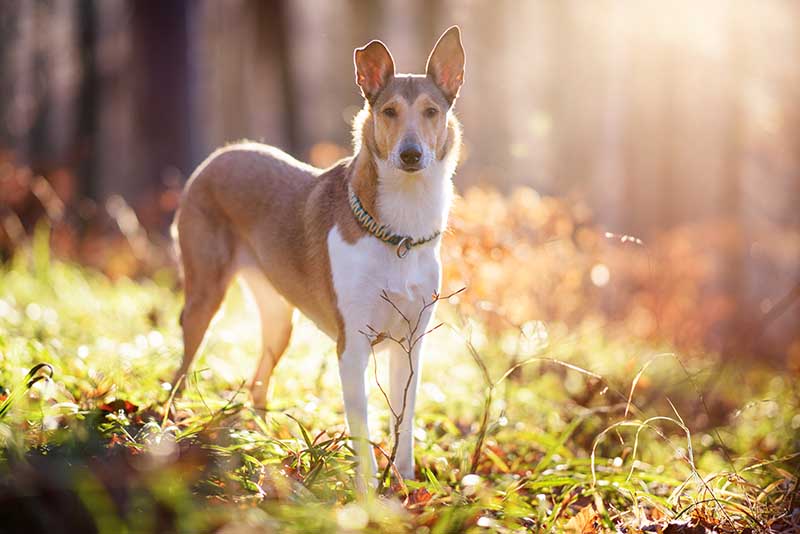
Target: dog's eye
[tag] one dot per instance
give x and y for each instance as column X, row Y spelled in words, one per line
column 431, row 112
column 390, row 112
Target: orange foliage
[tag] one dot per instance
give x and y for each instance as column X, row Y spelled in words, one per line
column 522, row 257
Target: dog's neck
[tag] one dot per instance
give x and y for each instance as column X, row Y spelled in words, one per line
column 414, row 205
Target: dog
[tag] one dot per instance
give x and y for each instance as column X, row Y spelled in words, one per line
column 333, row 243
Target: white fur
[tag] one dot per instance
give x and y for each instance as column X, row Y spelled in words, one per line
column 412, row 204
column 415, row 204
column 361, row 272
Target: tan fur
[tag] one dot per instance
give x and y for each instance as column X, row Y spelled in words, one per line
column 252, row 201
column 410, row 116
column 252, row 210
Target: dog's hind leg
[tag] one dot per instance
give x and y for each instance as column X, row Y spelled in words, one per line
column 275, row 316
column 206, row 252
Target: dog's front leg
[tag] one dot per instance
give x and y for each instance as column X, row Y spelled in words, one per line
column 404, row 371
column 352, row 370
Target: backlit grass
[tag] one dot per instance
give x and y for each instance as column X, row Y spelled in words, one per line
column 102, row 446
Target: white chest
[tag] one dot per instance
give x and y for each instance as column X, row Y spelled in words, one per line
column 364, row 270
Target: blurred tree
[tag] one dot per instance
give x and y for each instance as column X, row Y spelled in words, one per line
column 86, row 130
column 274, row 39
column 160, row 47
column 658, row 114
column 9, row 31
column 732, row 163
column 486, row 105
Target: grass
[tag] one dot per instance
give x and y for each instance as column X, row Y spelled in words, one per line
column 542, row 430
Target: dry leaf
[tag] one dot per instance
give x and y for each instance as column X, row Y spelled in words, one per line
column 418, row 498
column 584, row 522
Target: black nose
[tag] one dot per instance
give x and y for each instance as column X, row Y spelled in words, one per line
column 410, row 156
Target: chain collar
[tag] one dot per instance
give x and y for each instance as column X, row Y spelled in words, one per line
column 403, row 243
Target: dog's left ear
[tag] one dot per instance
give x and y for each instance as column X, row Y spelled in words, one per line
column 446, row 63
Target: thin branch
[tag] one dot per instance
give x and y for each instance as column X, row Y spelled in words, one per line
column 408, row 344
column 380, row 387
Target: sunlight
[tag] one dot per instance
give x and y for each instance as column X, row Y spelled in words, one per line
column 621, row 351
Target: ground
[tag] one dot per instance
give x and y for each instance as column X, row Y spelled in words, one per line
column 589, row 433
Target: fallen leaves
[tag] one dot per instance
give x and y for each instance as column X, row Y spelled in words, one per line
column 118, row 405
column 418, row 498
column 586, row 521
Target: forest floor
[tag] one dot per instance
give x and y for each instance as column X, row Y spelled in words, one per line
column 588, row 434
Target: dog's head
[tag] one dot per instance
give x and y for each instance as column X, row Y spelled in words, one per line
column 410, row 111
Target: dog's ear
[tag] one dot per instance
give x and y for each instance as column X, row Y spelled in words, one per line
column 374, row 68
column 446, row 63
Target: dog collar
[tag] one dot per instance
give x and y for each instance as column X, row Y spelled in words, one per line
column 403, row 243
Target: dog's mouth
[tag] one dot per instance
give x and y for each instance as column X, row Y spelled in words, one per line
column 411, row 168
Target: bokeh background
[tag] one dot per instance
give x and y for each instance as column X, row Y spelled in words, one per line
column 627, row 231
column 631, row 161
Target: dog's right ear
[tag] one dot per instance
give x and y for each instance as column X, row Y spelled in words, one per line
column 374, row 69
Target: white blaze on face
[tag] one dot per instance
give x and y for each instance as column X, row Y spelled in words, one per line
column 415, row 204
column 421, row 124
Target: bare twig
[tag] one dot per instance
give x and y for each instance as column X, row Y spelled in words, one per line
column 407, row 344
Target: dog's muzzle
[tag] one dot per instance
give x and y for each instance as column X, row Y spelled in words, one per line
column 411, row 157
